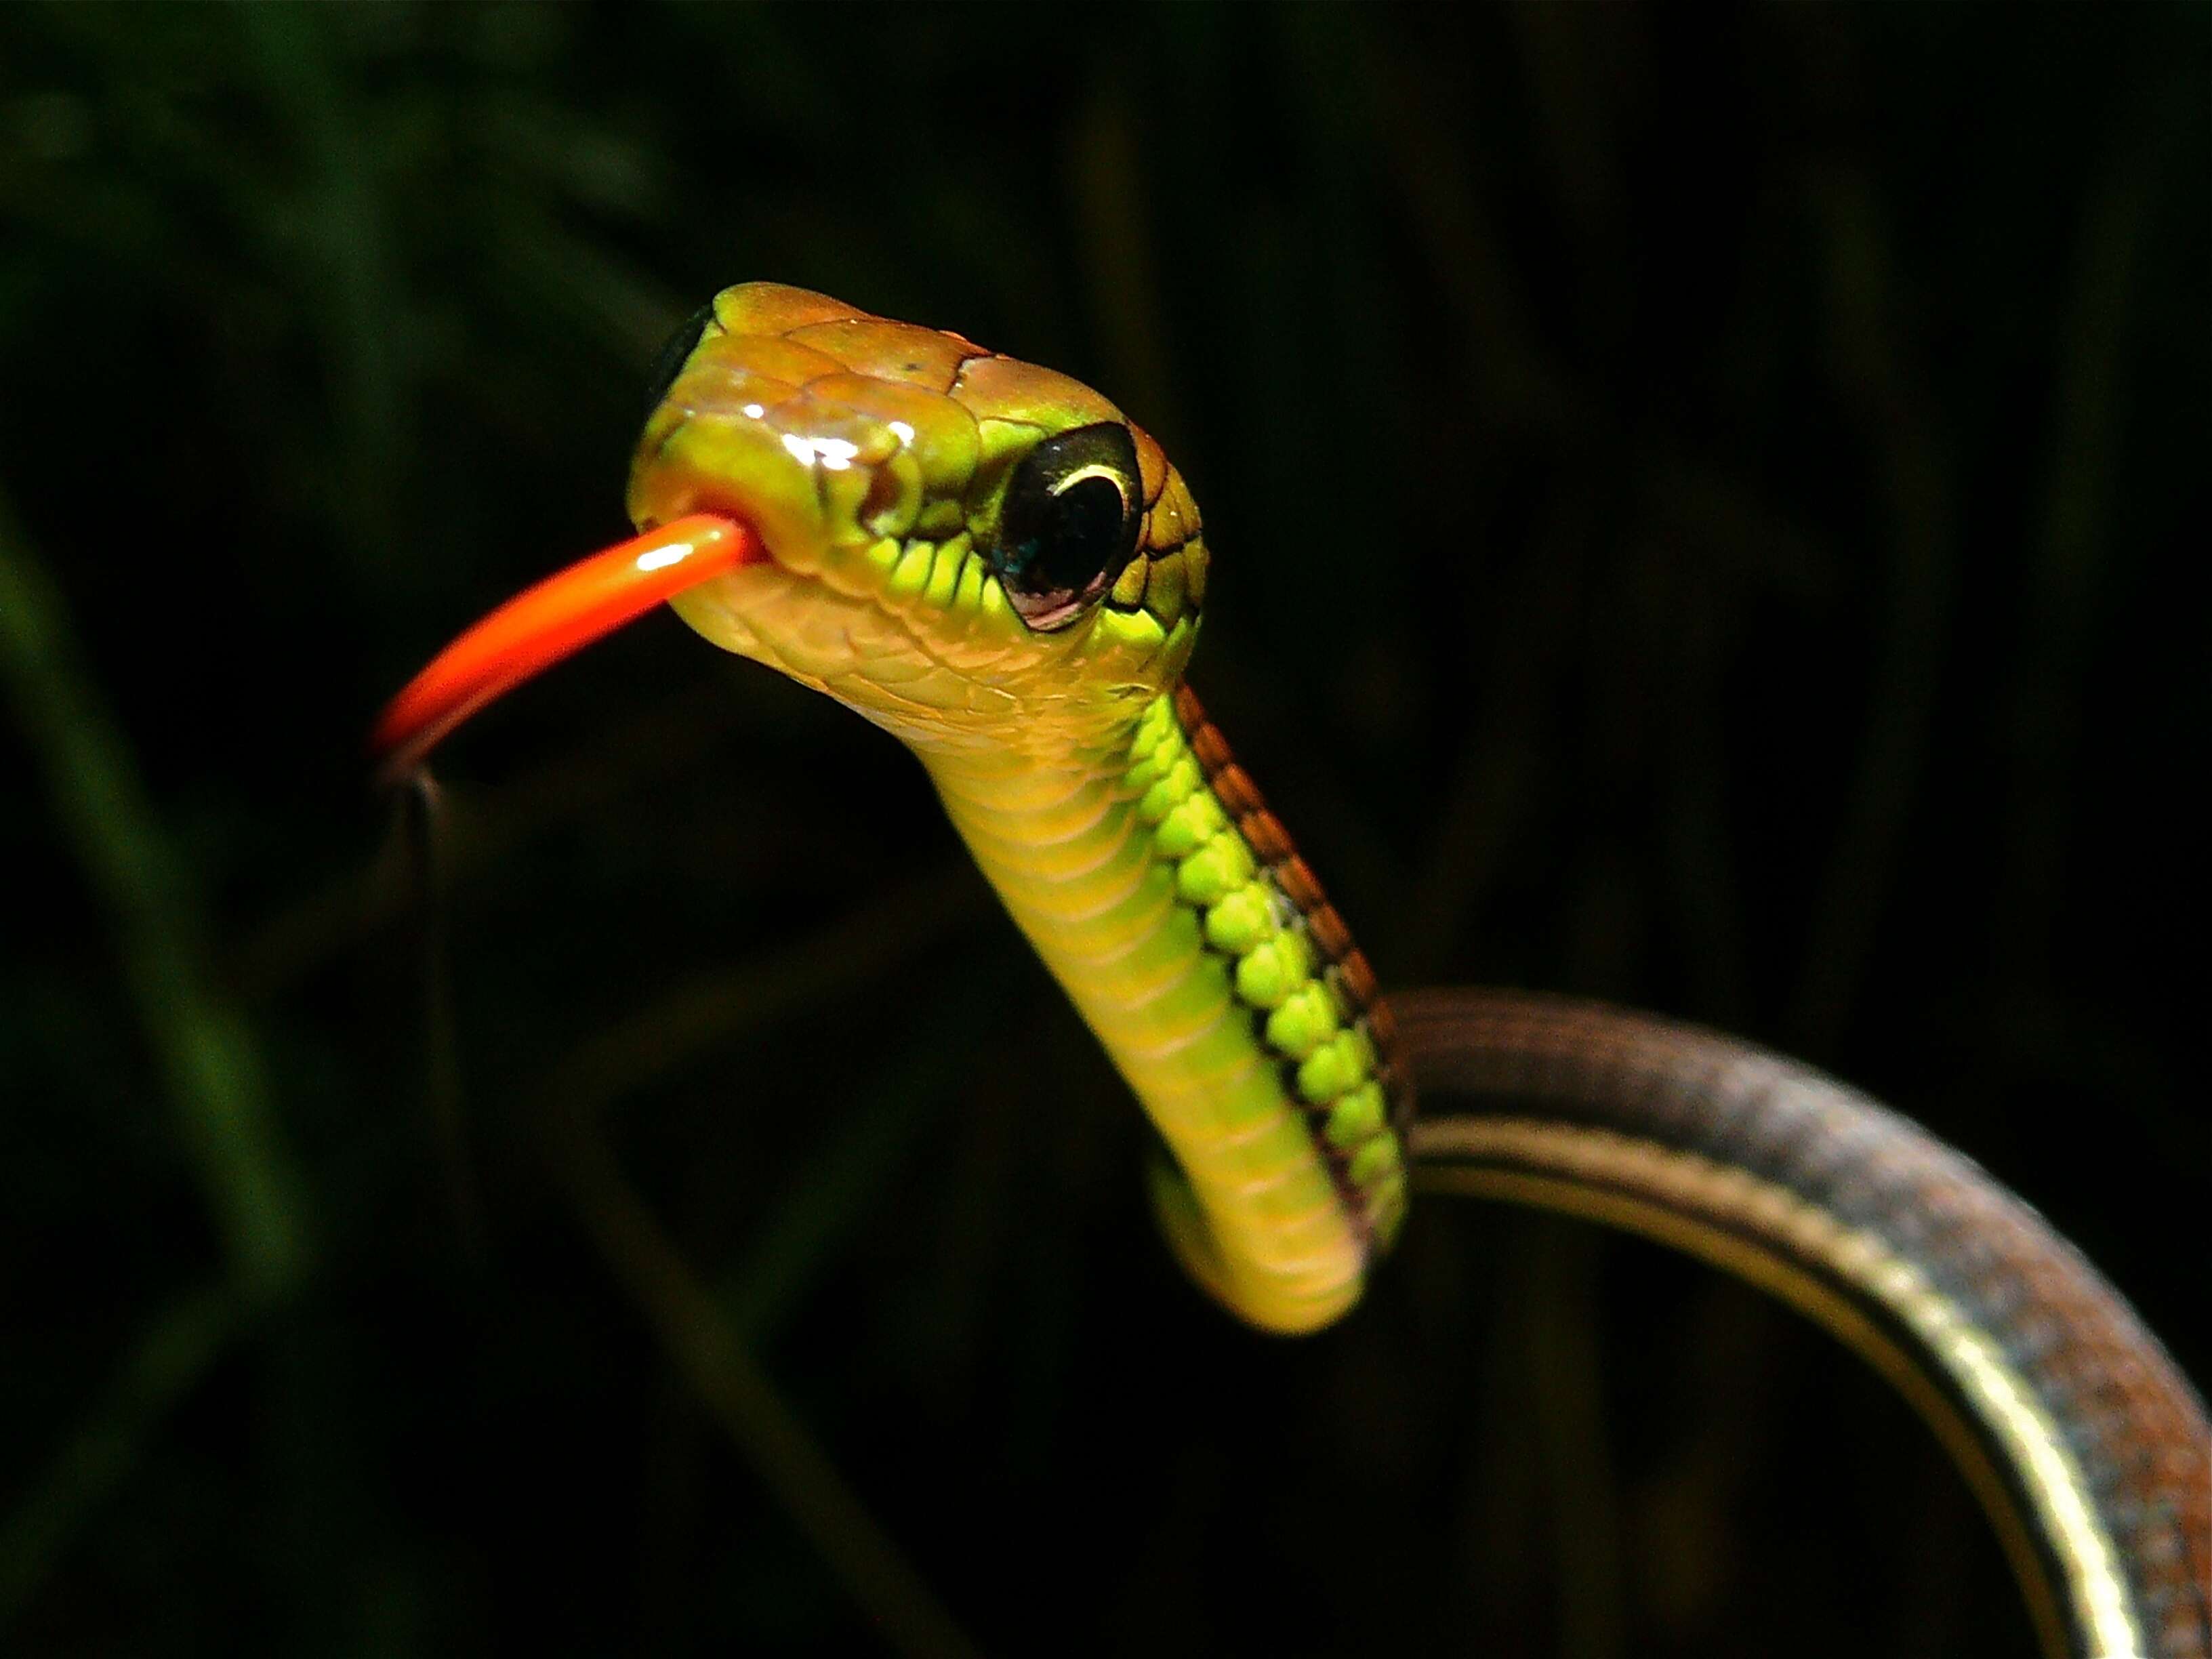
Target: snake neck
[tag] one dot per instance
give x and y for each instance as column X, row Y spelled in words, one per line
column 1142, row 864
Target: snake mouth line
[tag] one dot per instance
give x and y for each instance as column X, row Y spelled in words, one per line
column 550, row 621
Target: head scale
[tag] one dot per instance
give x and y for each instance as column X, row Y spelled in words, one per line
column 962, row 544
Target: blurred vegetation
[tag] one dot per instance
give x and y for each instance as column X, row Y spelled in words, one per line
column 1699, row 499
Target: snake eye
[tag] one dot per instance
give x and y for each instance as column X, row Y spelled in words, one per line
column 673, row 356
column 1073, row 511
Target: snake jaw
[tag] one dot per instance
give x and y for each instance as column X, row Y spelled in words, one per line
column 704, row 460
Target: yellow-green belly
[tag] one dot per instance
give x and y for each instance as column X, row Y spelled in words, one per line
column 1218, row 999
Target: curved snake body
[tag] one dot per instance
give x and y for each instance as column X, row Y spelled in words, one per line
column 987, row 560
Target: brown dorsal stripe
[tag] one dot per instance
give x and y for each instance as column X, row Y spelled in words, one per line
column 1343, row 969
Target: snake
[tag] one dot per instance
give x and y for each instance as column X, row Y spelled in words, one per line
column 991, row 562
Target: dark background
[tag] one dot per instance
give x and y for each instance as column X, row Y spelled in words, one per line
column 1699, row 500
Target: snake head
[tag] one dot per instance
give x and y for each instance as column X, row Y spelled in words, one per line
column 974, row 553
column 960, row 545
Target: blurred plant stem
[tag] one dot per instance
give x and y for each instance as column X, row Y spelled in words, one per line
column 331, row 229
column 705, row 1335
column 1900, row 419
column 172, row 1354
column 205, row 1049
column 423, row 828
column 1565, row 1382
column 1112, row 212
column 2069, row 560
column 688, row 1020
column 700, row 1342
column 844, row 1179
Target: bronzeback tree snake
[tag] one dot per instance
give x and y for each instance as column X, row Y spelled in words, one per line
column 987, row 560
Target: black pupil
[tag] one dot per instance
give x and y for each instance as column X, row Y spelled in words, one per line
column 1081, row 532
column 1070, row 522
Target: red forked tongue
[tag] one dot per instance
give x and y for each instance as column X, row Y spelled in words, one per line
column 563, row 614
